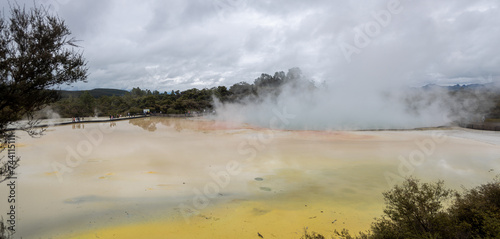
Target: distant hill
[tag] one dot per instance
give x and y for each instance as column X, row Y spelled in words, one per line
column 461, row 87
column 96, row 93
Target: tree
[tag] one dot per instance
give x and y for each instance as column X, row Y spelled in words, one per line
column 36, row 56
column 241, row 90
column 421, row 210
column 477, row 212
column 221, row 93
column 87, row 103
column 413, row 210
column 137, row 92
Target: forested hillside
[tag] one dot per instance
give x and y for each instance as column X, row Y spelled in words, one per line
column 96, row 93
column 104, row 102
column 99, row 101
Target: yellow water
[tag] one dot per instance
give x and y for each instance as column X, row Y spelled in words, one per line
column 141, row 179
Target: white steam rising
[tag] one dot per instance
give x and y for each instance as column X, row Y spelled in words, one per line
column 357, row 107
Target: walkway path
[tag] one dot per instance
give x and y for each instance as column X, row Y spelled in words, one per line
column 493, row 126
column 85, row 121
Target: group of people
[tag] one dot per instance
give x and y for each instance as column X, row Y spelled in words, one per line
column 77, row 119
column 119, row 116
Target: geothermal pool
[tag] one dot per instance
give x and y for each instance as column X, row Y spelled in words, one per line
column 198, row 178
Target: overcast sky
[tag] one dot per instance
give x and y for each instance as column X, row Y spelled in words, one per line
column 181, row 44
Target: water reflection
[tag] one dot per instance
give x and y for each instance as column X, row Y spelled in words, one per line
column 78, row 126
column 145, row 123
column 82, row 125
column 179, row 124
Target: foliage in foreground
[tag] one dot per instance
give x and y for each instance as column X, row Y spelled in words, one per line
column 36, row 55
column 312, row 235
column 429, row 210
column 4, row 232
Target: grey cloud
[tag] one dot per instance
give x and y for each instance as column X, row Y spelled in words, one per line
column 208, row 43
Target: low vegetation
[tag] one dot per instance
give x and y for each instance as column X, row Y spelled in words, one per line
column 430, row 210
column 462, row 101
column 134, row 102
column 5, row 233
column 115, row 102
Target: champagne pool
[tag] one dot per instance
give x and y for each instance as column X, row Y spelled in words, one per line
column 198, row 178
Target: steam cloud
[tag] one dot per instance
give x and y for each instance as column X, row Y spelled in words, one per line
column 350, row 106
